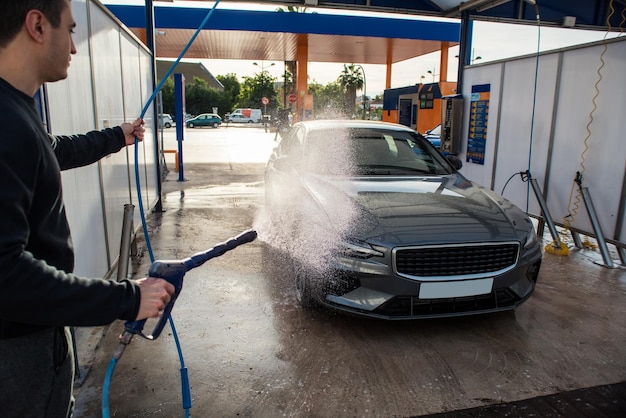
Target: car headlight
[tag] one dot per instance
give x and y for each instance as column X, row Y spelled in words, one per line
column 359, row 249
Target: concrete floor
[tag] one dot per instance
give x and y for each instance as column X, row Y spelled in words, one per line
column 251, row 351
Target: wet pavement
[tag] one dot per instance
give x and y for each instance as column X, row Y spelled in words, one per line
column 252, row 351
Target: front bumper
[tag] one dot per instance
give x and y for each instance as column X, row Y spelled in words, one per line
column 371, row 288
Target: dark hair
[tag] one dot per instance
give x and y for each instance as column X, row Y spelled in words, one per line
column 13, row 13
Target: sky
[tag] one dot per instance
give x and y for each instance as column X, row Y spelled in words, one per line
column 491, row 41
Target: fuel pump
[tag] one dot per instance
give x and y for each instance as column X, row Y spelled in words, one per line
column 451, row 123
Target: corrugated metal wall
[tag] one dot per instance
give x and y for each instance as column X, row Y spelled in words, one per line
column 109, row 82
column 561, row 144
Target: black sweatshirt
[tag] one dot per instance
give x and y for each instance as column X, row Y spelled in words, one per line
column 37, row 287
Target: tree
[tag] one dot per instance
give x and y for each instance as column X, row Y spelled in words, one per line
column 294, row 9
column 231, row 89
column 167, row 96
column 351, row 79
column 328, row 101
column 289, row 85
column 253, row 89
column 200, row 98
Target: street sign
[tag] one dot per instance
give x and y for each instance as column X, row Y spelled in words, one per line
column 292, row 98
column 265, row 100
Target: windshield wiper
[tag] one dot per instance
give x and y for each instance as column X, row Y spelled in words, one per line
column 382, row 169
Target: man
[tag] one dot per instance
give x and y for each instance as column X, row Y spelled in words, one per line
column 39, row 295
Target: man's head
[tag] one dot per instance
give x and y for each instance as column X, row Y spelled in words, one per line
column 35, row 42
column 14, row 13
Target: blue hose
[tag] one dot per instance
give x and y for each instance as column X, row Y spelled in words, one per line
column 532, row 118
column 186, row 392
column 105, row 389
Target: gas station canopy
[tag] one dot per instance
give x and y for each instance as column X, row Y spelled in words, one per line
column 271, row 35
column 275, row 35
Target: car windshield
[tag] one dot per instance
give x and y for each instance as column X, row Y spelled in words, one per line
column 371, row 152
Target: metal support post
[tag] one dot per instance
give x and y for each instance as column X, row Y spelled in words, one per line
column 622, row 255
column 546, row 213
column 127, row 225
column 596, row 227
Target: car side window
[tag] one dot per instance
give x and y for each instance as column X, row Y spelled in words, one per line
column 292, row 143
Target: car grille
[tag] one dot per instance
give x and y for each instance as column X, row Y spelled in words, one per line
column 460, row 260
column 407, row 306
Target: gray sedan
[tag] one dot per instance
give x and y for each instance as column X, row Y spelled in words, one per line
column 379, row 223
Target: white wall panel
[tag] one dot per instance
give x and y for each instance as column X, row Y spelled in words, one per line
column 133, row 103
column 516, row 152
column 136, row 93
column 602, row 154
column 71, row 111
column 106, row 55
column 149, row 146
column 109, row 81
column 71, row 100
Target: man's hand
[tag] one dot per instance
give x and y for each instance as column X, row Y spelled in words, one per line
column 133, row 130
column 155, row 294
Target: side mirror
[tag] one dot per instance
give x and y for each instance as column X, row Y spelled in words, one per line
column 454, row 161
column 284, row 163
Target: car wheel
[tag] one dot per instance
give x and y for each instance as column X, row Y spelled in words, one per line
column 168, row 125
column 190, row 125
column 249, row 121
column 215, row 124
column 305, row 293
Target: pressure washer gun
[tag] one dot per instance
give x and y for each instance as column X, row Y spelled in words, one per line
column 173, row 271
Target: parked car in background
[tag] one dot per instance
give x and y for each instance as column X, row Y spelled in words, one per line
column 165, row 120
column 245, row 116
column 239, row 118
column 434, row 136
column 378, row 223
column 205, row 119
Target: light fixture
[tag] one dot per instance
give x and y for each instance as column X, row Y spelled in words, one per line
column 473, row 57
column 263, row 66
column 569, row 21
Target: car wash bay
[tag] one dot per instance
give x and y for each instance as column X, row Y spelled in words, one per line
column 252, row 351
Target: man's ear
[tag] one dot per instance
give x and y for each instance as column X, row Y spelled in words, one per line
column 35, row 24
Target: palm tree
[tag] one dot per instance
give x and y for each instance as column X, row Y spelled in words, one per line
column 291, row 72
column 351, row 79
column 292, row 66
column 293, row 9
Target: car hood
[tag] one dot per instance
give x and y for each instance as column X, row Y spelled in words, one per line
column 416, row 210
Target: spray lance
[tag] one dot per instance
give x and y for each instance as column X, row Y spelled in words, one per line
column 173, row 271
